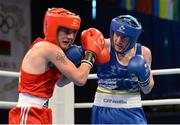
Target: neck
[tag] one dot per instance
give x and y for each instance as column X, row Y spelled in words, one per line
column 130, row 53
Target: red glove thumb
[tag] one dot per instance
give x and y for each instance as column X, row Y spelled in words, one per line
column 103, row 57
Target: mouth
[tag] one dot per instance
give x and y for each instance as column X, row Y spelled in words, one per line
column 67, row 43
column 119, row 46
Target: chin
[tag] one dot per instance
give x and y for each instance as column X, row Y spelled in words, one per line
column 118, row 50
column 64, row 48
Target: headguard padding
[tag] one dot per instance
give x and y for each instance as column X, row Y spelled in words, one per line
column 59, row 17
column 127, row 26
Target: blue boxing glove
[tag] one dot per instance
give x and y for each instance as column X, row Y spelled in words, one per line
column 75, row 54
column 139, row 70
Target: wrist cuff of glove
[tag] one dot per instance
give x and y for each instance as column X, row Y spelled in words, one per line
column 144, row 83
column 89, row 58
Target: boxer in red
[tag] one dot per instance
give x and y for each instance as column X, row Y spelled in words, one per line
column 46, row 64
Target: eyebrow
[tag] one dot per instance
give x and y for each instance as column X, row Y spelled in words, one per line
column 68, row 31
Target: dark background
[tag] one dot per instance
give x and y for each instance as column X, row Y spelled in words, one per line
column 155, row 32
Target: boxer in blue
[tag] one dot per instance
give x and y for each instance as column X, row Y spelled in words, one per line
column 120, row 80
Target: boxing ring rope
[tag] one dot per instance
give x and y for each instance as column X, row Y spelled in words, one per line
column 9, row 73
column 94, row 76
column 8, row 105
column 65, row 97
column 154, row 72
column 144, row 103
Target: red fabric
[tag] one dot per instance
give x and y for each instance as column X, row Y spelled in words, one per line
column 40, row 85
column 30, row 115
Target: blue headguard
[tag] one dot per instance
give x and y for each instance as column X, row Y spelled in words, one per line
column 127, row 26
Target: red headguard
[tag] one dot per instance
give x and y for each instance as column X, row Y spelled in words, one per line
column 59, row 17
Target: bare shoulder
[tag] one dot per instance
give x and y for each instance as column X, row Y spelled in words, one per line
column 45, row 45
column 146, row 52
column 53, row 53
column 47, row 51
column 46, row 48
column 37, row 58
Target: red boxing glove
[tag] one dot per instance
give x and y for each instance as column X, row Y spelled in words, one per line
column 103, row 57
column 92, row 40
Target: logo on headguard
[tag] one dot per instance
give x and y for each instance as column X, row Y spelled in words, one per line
column 75, row 21
column 121, row 29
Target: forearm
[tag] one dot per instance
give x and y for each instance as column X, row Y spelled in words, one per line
column 84, row 70
column 78, row 75
column 83, row 74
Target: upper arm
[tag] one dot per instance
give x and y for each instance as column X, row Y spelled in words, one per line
column 55, row 55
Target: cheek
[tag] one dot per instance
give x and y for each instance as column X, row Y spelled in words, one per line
column 116, row 40
column 125, row 42
column 59, row 37
column 120, row 42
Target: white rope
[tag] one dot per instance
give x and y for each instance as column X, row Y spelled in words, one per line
column 166, row 71
column 9, row 73
column 7, row 105
column 94, row 76
column 154, row 72
column 144, row 103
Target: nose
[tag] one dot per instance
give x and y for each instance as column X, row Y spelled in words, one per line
column 70, row 36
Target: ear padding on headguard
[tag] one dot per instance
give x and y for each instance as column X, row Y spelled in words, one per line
column 127, row 26
column 59, row 17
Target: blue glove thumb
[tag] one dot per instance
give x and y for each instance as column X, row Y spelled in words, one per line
column 75, row 54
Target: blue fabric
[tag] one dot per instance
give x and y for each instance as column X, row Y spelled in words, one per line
column 114, row 75
column 102, row 115
column 156, row 8
column 165, row 54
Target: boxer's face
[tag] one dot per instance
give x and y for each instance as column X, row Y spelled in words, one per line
column 66, row 37
column 120, row 42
